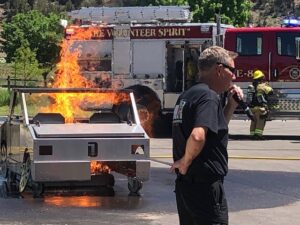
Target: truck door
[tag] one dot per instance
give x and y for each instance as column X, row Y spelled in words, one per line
column 175, row 70
column 252, row 48
column 181, row 71
column 284, row 65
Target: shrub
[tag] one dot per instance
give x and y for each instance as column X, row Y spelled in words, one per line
column 4, row 97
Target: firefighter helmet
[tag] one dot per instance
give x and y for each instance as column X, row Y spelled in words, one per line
column 258, row 74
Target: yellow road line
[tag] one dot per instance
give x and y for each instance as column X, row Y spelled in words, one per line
column 237, row 157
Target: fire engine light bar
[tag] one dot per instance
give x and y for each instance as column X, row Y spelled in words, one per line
column 291, row 21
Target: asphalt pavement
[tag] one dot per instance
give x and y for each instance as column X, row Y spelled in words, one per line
column 262, row 187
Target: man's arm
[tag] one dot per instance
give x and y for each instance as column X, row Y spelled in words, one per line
column 193, row 148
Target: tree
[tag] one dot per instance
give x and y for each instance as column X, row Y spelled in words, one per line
column 69, row 5
column 26, row 63
column 40, row 33
column 235, row 12
column 16, row 6
column 161, row 2
column 42, row 6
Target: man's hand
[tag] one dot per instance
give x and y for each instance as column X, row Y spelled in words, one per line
column 231, row 103
column 234, row 89
column 181, row 166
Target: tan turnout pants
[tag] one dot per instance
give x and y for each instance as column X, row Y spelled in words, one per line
column 257, row 126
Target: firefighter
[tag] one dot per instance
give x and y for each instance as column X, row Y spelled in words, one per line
column 192, row 71
column 258, row 94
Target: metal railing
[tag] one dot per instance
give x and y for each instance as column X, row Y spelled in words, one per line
column 10, row 82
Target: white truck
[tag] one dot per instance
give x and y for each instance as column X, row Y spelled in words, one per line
column 145, row 49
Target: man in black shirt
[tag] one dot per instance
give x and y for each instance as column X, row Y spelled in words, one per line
column 200, row 136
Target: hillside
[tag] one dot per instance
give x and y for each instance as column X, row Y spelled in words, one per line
column 2, row 55
column 270, row 12
column 264, row 12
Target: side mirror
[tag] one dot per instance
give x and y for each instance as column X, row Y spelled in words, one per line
column 297, row 40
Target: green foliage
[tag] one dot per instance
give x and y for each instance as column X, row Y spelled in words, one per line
column 18, row 6
column 4, row 97
column 26, row 63
column 235, row 12
column 40, row 33
column 160, row 2
column 88, row 3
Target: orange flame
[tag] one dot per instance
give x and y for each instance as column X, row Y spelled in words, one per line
column 68, row 75
column 99, row 168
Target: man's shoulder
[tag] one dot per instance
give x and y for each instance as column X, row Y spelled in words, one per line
column 200, row 92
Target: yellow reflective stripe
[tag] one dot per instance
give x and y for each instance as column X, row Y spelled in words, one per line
column 258, row 131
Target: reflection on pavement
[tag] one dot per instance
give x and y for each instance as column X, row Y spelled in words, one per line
column 94, row 201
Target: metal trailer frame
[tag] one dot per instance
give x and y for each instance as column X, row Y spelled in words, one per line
column 55, row 153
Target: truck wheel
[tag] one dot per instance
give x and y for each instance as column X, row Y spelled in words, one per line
column 25, row 175
column 134, row 185
column 3, row 160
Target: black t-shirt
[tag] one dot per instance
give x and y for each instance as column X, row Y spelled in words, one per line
column 200, row 106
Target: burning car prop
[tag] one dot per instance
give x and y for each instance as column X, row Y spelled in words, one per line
column 43, row 142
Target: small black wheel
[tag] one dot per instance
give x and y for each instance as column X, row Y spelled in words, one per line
column 134, row 185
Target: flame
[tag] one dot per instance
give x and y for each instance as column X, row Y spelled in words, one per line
column 74, row 104
column 68, row 75
column 99, row 168
column 68, row 70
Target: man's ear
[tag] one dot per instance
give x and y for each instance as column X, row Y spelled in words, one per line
column 218, row 70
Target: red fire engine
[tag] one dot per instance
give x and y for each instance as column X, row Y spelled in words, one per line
column 275, row 51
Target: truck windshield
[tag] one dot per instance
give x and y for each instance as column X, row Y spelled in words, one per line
column 286, row 43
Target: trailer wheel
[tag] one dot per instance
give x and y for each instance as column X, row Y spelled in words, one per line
column 3, row 160
column 25, row 175
column 134, row 185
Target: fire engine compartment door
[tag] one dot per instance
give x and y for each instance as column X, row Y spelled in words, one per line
column 149, row 58
column 121, row 50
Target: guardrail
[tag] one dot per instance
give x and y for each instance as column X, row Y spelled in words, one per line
column 10, row 82
column 284, row 104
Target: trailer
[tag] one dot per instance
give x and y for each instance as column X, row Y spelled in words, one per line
column 44, row 143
